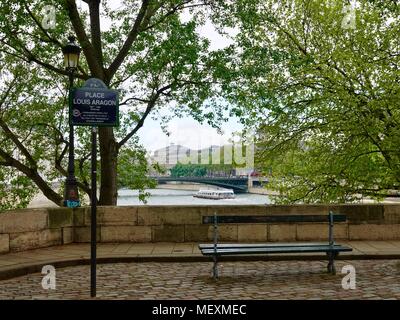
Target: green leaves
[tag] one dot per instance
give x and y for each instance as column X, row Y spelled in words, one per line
column 16, row 190
column 325, row 99
column 200, row 170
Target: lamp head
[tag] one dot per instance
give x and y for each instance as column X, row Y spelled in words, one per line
column 71, row 53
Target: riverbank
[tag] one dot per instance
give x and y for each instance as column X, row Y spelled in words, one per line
column 185, row 186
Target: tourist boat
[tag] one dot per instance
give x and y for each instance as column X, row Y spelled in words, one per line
column 215, row 194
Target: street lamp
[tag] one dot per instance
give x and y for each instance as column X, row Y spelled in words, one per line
column 71, row 58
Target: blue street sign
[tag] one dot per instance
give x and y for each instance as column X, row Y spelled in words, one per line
column 94, row 105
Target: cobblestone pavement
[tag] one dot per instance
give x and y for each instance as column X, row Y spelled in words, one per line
column 375, row 279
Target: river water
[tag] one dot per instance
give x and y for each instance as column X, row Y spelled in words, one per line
column 185, row 197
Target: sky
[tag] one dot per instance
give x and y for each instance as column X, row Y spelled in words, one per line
column 186, row 131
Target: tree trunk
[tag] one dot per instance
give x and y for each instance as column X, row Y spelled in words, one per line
column 108, row 163
column 48, row 192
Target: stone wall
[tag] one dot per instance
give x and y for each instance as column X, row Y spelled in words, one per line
column 34, row 228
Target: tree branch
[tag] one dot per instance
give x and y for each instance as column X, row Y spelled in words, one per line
column 53, row 40
column 112, row 69
column 169, row 13
column 149, row 107
column 7, row 92
column 135, row 99
column 28, row 56
column 60, row 134
column 95, row 29
column 89, row 51
column 18, row 143
column 60, row 169
column 34, row 176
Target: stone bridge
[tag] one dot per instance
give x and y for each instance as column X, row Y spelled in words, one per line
column 238, row 184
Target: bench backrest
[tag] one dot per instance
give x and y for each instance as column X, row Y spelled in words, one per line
column 330, row 218
column 274, row 218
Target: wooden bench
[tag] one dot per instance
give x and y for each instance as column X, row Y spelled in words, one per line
column 216, row 249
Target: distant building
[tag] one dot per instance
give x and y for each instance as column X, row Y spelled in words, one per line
column 173, row 154
column 169, row 156
column 244, row 171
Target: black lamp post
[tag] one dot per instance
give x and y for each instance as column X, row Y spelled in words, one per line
column 71, row 58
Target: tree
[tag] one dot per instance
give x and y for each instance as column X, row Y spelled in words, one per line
column 147, row 52
column 188, row 170
column 322, row 90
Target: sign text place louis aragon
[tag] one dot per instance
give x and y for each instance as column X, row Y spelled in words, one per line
column 94, row 99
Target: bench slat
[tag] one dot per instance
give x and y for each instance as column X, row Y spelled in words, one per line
column 293, row 249
column 274, row 218
column 262, row 245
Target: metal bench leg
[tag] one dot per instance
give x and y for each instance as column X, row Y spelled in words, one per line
column 215, row 256
column 215, row 268
column 331, row 254
column 331, row 264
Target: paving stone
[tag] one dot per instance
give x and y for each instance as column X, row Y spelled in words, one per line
column 377, row 279
column 289, row 280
